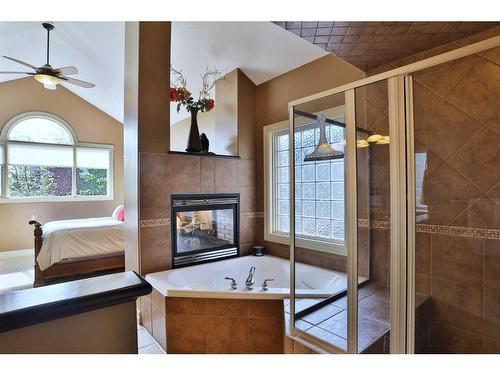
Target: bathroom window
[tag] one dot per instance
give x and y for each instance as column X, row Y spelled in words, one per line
column 319, row 188
column 41, row 160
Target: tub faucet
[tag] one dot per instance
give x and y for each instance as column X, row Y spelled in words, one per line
column 265, row 284
column 233, row 282
column 250, row 279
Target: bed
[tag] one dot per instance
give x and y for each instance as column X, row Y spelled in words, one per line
column 71, row 249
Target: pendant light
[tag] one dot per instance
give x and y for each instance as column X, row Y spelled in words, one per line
column 324, row 151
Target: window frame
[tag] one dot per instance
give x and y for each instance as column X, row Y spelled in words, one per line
column 4, row 141
column 270, row 194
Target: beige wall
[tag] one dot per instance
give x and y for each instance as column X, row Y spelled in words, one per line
column 147, row 125
column 272, row 97
column 230, row 127
column 90, row 125
column 179, row 132
column 85, row 333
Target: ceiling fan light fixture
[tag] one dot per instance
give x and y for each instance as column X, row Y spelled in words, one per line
column 46, row 75
column 50, row 87
column 46, row 79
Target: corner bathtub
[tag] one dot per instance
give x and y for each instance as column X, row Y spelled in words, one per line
column 207, row 280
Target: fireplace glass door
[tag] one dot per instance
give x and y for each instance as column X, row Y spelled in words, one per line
column 204, row 228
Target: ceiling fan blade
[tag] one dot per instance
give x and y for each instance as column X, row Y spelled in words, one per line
column 77, row 82
column 17, row 73
column 66, row 70
column 21, row 62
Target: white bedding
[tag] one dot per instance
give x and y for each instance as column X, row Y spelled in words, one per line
column 66, row 239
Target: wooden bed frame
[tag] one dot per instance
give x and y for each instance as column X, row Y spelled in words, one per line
column 73, row 268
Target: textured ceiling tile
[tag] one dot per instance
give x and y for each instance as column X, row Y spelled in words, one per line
column 308, row 32
column 323, row 31
column 293, row 25
column 325, row 24
column 391, row 40
column 352, row 30
column 351, row 38
column 309, row 25
column 339, row 30
column 336, row 38
column 321, row 39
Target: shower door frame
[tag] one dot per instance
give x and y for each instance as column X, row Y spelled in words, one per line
column 402, row 199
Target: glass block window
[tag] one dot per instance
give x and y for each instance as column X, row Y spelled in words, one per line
column 319, row 186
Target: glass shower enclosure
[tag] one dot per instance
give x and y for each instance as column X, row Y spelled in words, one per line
column 392, row 190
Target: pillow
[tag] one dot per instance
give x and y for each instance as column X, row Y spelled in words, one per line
column 119, row 213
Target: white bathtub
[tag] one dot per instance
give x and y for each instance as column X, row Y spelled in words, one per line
column 207, row 280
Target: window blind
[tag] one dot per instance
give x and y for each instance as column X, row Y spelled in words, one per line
column 40, row 155
column 92, row 158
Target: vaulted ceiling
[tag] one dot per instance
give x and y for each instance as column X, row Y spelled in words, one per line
column 367, row 45
column 95, row 48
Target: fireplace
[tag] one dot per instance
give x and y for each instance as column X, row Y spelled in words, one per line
column 205, row 228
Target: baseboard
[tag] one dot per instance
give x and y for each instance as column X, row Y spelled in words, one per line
column 16, row 253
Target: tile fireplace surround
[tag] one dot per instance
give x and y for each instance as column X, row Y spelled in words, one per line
column 166, row 174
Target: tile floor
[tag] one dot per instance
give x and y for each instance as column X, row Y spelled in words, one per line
column 147, row 344
column 329, row 323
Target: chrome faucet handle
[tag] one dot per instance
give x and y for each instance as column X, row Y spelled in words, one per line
column 250, row 279
column 233, row 282
column 265, row 285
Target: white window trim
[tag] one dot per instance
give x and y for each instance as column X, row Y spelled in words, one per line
column 4, row 197
column 332, row 247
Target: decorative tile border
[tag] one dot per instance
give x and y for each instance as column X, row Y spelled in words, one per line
column 155, row 223
column 467, row 232
column 166, row 221
column 483, row 233
column 245, row 215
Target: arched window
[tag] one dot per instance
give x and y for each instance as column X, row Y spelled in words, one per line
column 41, row 159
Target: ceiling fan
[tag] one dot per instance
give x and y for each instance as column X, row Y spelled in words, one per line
column 46, row 74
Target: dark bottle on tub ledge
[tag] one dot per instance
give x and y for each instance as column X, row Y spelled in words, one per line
column 258, row 250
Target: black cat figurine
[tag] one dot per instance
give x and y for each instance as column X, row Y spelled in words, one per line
column 205, row 143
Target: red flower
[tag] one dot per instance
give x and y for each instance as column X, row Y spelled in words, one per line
column 211, row 104
column 183, row 93
column 173, row 94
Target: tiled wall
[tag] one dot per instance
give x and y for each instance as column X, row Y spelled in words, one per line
column 213, row 325
column 207, row 325
column 458, row 238
column 458, row 242
column 457, row 124
column 166, row 174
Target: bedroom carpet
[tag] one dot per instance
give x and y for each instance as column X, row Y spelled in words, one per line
column 16, row 270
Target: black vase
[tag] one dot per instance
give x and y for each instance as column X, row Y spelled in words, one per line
column 194, row 144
